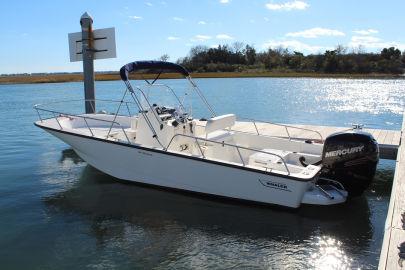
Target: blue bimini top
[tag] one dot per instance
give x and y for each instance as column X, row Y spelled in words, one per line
column 151, row 67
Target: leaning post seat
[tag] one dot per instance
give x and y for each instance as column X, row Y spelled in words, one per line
column 220, row 122
column 216, row 126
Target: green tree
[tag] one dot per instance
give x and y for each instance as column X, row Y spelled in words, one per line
column 250, row 53
column 391, row 53
column 331, row 61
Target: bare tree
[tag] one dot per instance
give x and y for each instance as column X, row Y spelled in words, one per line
column 359, row 50
column 238, row 46
column 197, row 50
column 340, row 49
column 164, row 57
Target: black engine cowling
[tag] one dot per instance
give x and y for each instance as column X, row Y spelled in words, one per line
column 350, row 158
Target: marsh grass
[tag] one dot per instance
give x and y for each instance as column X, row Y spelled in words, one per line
column 77, row 77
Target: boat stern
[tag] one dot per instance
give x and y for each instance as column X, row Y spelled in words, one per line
column 326, row 194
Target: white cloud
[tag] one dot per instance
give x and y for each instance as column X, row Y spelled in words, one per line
column 224, row 37
column 294, row 45
column 371, row 42
column 149, row 4
column 172, row 38
column 224, row 1
column 366, row 32
column 179, row 19
column 316, row 32
column 202, row 22
column 201, row 38
column 266, row 19
column 365, row 39
column 287, row 6
column 214, row 46
column 137, row 18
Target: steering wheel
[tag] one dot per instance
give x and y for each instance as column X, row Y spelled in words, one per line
column 180, row 115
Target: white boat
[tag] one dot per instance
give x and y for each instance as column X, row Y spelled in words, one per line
column 166, row 147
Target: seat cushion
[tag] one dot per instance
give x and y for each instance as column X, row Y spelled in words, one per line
column 264, row 159
column 220, row 122
column 219, row 135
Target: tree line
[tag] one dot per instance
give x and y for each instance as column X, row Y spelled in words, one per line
column 240, row 57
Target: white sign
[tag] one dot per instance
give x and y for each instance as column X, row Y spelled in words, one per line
column 103, row 45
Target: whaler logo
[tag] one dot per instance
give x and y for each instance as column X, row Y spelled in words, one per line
column 345, row 151
column 275, row 185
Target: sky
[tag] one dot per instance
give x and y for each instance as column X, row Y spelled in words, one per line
column 34, row 35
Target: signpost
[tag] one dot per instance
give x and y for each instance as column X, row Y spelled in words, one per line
column 89, row 45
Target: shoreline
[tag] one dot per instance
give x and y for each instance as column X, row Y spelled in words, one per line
column 78, row 77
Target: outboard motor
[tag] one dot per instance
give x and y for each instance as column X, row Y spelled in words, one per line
column 350, row 158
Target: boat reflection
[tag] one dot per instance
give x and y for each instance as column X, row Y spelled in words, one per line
column 170, row 222
column 70, row 155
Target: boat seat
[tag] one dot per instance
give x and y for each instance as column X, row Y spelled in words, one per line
column 220, row 122
column 219, row 135
column 266, row 160
column 216, row 127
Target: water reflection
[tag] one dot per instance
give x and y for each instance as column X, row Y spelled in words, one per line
column 157, row 228
column 70, row 155
column 330, row 255
column 382, row 182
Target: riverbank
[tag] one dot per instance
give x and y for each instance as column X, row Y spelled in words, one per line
column 77, row 77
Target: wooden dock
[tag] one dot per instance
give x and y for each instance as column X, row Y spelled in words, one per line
column 394, row 234
column 390, row 148
column 388, row 140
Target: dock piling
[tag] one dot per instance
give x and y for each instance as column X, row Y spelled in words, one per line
column 86, row 23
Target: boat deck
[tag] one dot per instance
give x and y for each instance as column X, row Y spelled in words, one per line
column 388, row 140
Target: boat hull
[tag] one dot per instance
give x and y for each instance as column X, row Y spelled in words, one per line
column 171, row 170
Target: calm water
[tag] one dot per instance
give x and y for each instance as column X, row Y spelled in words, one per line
column 58, row 212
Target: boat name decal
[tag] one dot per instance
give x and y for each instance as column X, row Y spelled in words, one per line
column 275, row 185
column 145, row 153
column 345, row 151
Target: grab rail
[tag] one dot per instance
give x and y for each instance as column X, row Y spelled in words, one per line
column 254, row 122
column 227, row 144
column 56, row 114
column 265, row 135
column 85, row 118
column 76, row 100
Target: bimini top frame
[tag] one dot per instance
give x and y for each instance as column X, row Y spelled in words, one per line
column 159, row 67
column 156, row 67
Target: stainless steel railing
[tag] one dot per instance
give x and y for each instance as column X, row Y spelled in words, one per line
column 84, row 100
column 56, row 114
column 286, row 127
column 237, row 147
column 255, row 122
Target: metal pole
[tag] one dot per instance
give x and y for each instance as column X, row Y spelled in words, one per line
column 88, row 63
